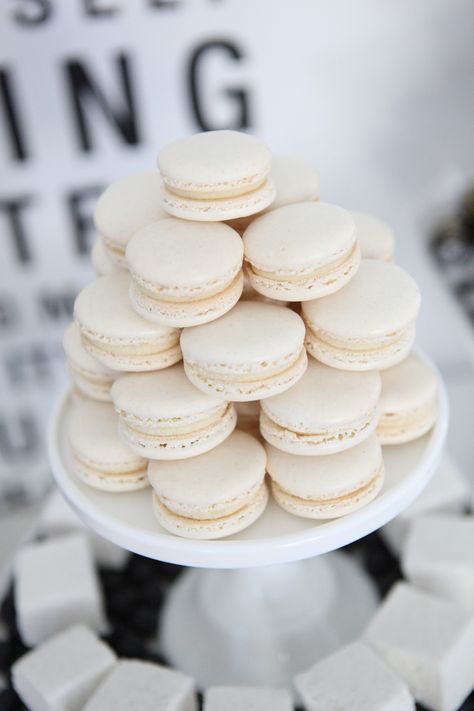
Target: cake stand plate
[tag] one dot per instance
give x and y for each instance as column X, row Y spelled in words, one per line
column 256, row 626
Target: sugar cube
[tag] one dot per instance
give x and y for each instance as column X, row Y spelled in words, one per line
column 62, row 673
column 428, row 642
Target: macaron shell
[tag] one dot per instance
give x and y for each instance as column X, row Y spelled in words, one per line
column 185, row 261
column 214, row 210
column 326, row 486
column 184, row 314
column 113, row 483
column 295, row 181
column 212, row 484
column 381, row 299
column 88, row 374
column 213, row 528
column 164, row 401
column 302, row 251
column 163, row 416
column 254, row 389
column 326, row 411
column 408, row 402
column 333, row 508
column 128, row 205
column 214, row 164
column 370, row 324
column 323, row 282
column 115, row 334
column 168, row 447
column 100, row 459
column 347, row 358
column 101, row 259
column 376, row 239
column 252, row 340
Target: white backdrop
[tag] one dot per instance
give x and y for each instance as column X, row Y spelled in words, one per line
column 377, row 94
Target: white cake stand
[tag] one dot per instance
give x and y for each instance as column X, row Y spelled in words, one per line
column 281, row 604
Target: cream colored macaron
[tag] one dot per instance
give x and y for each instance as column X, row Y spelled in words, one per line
column 376, row 239
column 294, row 179
column 101, row 260
column 99, row 457
column 327, row 411
column 126, row 206
column 368, row 325
column 89, row 375
column 301, row 252
column 253, row 351
column 213, row 495
column 115, row 334
column 217, row 175
column 163, row 416
column 409, row 401
column 329, row 486
column 185, row 273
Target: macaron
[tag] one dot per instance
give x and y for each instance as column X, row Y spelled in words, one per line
column 213, row 495
column 376, row 239
column 326, row 411
column 301, row 252
column 368, row 325
column 89, row 375
column 115, row 334
column 253, row 351
column 163, row 416
column 214, row 176
column 185, row 273
column 409, row 401
column 126, row 206
column 294, row 179
column 99, row 457
column 101, row 260
column 329, row 486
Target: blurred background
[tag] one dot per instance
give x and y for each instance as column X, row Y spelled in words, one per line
column 378, row 95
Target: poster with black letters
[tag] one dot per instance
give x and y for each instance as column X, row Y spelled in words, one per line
column 90, row 89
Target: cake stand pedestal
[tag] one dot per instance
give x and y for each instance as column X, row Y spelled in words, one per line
column 281, row 604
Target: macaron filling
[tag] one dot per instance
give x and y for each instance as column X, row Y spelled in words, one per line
column 404, row 426
column 249, row 377
column 114, row 250
column 386, row 349
column 325, row 276
column 214, row 510
column 329, row 506
column 219, row 189
column 209, row 528
column 187, row 293
column 186, row 313
column 220, row 207
column 90, row 384
column 344, row 436
column 99, row 477
column 166, row 348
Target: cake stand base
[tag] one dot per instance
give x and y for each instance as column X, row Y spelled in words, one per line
column 260, row 626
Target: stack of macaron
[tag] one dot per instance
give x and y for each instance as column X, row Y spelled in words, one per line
column 241, row 334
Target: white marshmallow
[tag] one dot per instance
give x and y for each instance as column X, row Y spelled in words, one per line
column 61, row 674
column 448, row 491
column 246, row 698
column 353, row 678
column 55, row 587
column 429, row 643
column 148, row 687
column 57, row 518
column 438, row 556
